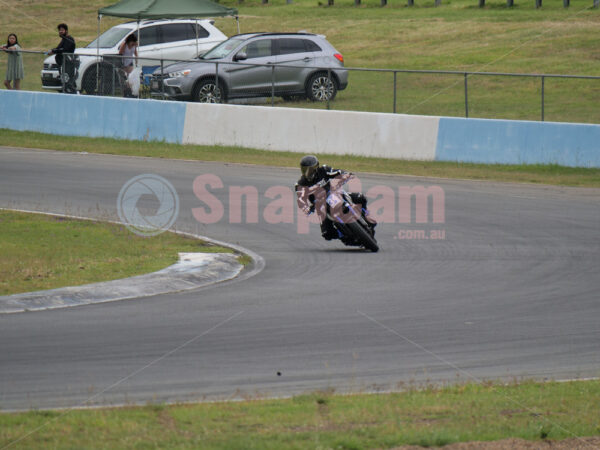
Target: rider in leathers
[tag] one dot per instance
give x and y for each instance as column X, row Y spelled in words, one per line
column 313, row 174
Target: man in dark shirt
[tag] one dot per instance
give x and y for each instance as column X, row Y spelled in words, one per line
column 66, row 62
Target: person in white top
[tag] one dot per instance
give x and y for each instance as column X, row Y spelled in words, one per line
column 129, row 51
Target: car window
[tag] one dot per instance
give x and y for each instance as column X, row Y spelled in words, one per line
column 311, row 46
column 174, row 32
column 258, row 49
column 202, row 32
column 148, row 36
column 223, row 49
column 288, row 46
column 110, row 38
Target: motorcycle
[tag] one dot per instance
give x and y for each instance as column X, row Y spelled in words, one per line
column 329, row 199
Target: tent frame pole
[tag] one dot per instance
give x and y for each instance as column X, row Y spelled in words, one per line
column 97, row 57
column 196, row 28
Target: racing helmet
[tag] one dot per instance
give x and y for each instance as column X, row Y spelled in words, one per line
column 309, row 165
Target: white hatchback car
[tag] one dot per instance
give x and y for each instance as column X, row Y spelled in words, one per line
column 167, row 40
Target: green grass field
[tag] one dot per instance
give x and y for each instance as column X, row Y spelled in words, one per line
column 457, row 36
column 429, row 417
column 45, row 252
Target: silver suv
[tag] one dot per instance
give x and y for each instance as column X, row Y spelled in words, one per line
column 169, row 40
column 289, row 65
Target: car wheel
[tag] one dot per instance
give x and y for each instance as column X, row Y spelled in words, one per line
column 105, row 82
column 207, row 91
column 321, row 88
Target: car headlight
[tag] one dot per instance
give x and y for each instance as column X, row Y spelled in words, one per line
column 180, row 73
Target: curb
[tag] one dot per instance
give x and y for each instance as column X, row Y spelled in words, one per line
column 194, row 270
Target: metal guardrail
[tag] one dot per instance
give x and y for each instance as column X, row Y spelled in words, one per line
column 114, row 84
column 466, row 76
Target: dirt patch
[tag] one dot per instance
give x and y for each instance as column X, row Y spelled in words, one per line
column 519, row 444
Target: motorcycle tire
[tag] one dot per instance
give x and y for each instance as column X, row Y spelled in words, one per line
column 362, row 236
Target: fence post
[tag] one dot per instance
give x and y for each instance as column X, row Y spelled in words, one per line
column 538, row 4
column 543, row 98
column 566, row 3
column 273, row 85
column 217, row 82
column 466, row 97
column 481, row 3
column 162, row 78
column 395, row 78
column 510, row 3
column 383, row 2
column 596, row 3
column 411, row 2
column 62, row 74
column 356, row 2
column 330, row 81
column 97, row 77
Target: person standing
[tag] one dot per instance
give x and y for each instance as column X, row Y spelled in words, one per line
column 65, row 58
column 129, row 52
column 14, row 67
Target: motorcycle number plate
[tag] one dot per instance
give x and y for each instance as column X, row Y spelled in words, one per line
column 333, row 200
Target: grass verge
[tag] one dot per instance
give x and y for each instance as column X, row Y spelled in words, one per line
column 544, row 174
column 430, row 417
column 45, row 252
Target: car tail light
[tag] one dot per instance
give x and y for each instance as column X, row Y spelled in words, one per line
column 339, row 57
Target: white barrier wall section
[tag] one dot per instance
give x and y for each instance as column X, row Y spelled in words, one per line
column 305, row 130
column 312, row 131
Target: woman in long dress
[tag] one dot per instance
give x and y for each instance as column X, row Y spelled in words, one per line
column 14, row 66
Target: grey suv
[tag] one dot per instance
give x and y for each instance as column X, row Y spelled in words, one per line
column 290, row 65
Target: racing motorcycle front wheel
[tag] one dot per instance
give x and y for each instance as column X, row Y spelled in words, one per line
column 363, row 236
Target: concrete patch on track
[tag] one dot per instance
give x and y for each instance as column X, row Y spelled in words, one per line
column 193, row 270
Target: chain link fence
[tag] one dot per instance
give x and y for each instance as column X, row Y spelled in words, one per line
column 554, row 97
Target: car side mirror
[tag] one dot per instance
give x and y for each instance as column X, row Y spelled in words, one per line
column 241, row 56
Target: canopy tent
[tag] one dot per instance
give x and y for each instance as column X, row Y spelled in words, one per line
column 166, row 9
column 162, row 9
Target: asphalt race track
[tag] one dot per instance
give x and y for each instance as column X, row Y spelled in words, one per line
column 511, row 291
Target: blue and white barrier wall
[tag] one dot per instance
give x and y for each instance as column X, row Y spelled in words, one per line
column 518, row 142
column 305, row 131
column 84, row 115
